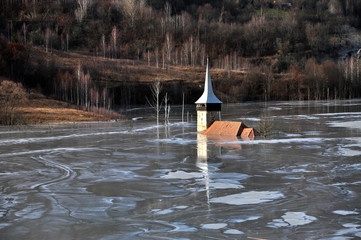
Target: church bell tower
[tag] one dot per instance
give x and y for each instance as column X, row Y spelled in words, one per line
column 208, row 105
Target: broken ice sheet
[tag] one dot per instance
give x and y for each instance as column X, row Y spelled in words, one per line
column 220, row 185
column 233, row 231
column 298, row 218
column 252, row 197
column 292, row 219
column 214, row 225
column 250, row 218
column 345, row 212
column 182, row 175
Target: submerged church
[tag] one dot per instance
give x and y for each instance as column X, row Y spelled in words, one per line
column 209, row 115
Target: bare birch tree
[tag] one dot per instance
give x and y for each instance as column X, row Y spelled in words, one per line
column 130, row 9
column 114, row 41
column 47, row 38
column 166, row 109
column 103, row 44
column 82, row 9
column 169, row 46
column 24, row 32
column 155, row 103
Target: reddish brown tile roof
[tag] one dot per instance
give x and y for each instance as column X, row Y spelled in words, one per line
column 229, row 128
column 249, row 133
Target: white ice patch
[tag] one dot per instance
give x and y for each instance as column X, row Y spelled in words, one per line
column 338, row 114
column 290, row 177
column 277, row 223
column 301, row 170
column 345, row 212
column 55, row 138
column 291, row 219
column 180, row 141
column 349, row 152
column 350, row 124
column 181, row 207
column 250, row 119
column 349, row 230
column 31, row 212
column 281, row 141
column 253, row 197
column 274, row 108
column 233, row 231
column 4, row 225
column 251, row 218
column 179, row 227
column 182, row 175
column 51, row 150
column 351, row 225
column 293, row 135
column 214, row 226
column 162, row 212
column 219, row 185
column 298, row 218
column 337, row 238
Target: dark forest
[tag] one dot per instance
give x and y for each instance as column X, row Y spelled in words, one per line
column 263, row 50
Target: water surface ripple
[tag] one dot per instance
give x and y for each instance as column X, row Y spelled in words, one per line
column 136, row 180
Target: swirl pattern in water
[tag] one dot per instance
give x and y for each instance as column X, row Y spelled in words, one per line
column 135, row 180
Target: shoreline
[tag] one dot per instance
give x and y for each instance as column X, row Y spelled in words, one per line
column 42, row 110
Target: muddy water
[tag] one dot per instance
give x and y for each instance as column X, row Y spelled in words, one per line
column 134, row 180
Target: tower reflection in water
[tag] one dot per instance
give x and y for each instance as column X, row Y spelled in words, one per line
column 209, row 149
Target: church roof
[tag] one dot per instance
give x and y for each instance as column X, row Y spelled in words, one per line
column 208, row 95
column 228, row 128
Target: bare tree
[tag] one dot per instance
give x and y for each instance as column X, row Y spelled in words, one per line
column 103, row 45
column 157, row 57
column 166, row 109
column 155, row 103
column 169, row 46
column 130, row 8
column 183, row 108
column 114, row 41
column 24, row 32
column 67, row 41
column 11, row 96
column 47, row 38
column 82, row 9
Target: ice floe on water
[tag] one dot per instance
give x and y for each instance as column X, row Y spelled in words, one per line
column 233, row 231
column 299, row 117
column 250, row 218
column 214, row 226
column 220, row 185
column 292, row 219
column 349, row 152
column 182, row 175
column 337, row 238
column 351, row 225
column 180, row 141
column 31, row 212
column 274, row 108
column 345, row 212
column 280, row 141
column 298, row 218
column 293, row 135
column 181, row 207
column 162, row 212
column 251, row 119
column 349, row 124
column 252, row 197
column 349, row 229
column 180, row 227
